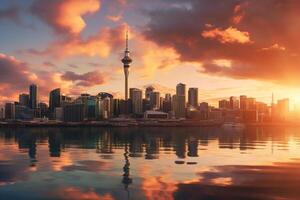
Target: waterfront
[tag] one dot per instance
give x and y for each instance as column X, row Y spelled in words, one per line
column 149, row 163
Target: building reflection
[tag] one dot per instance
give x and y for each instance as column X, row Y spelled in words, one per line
column 126, row 169
column 54, row 142
column 147, row 143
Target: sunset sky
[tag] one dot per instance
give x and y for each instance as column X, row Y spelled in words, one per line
column 225, row 48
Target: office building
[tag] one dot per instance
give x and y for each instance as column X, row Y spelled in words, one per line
column 179, row 101
column 2, row 114
column 243, row 102
column 224, row 104
column 24, row 100
column 33, row 96
column 116, row 107
column 73, row 112
column 148, row 91
column 54, row 99
column 193, row 97
column 10, row 111
column 234, row 103
column 154, row 101
column 251, row 103
column 136, row 97
column 43, row 109
column 106, row 108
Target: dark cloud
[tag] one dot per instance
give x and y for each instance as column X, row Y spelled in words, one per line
column 88, row 79
column 11, row 13
column 11, row 67
column 259, row 37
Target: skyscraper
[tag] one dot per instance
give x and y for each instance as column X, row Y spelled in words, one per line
column 54, row 99
column 126, row 64
column 180, row 89
column 244, row 103
column 9, row 111
column 234, row 103
column 24, row 99
column 180, row 101
column 33, row 96
column 148, row 91
column 137, row 100
column 193, row 97
column 155, row 100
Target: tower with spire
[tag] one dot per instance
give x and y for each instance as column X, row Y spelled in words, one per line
column 126, row 64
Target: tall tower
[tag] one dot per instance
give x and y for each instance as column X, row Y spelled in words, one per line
column 126, row 64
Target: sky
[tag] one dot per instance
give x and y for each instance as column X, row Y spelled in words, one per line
column 225, row 48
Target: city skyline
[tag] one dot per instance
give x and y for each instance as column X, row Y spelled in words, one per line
column 80, row 51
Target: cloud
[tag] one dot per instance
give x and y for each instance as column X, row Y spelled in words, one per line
column 11, row 67
column 260, row 44
column 229, row 35
column 102, row 44
column 11, row 13
column 65, row 16
column 23, row 75
column 49, row 64
column 88, row 79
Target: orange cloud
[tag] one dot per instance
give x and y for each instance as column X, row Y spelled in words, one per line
column 274, row 47
column 101, row 44
column 76, row 194
column 65, row 16
column 229, row 35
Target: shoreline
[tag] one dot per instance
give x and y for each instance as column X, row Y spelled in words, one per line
column 133, row 123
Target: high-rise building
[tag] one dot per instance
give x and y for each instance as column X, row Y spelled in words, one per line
column 251, row 103
column 180, row 89
column 106, row 107
column 126, row 64
column 2, row 113
column 148, row 91
column 155, row 100
column 243, row 103
column 116, row 107
column 180, row 101
column 193, row 97
column 224, row 104
column 10, row 111
column 73, row 112
column 24, row 99
column 136, row 96
column 167, row 105
column 234, row 103
column 33, row 96
column 168, row 97
column 54, row 99
column 43, row 108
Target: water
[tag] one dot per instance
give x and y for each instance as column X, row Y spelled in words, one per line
column 149, row 163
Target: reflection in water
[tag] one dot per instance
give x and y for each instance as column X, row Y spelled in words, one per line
column 277, row 181
column 155, row 163
column 126, row 176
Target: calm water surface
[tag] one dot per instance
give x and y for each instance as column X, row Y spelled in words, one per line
column 149, row 163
